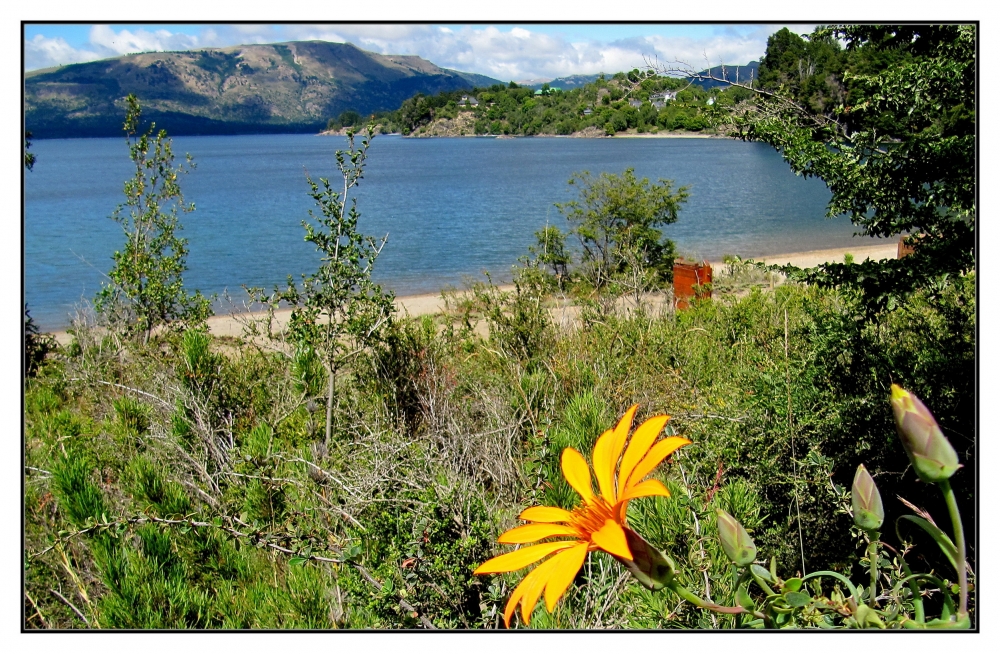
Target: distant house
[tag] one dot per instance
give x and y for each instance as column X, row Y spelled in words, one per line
column 659, row 104
column 551, row 89
column 469, row 101
column 663, row 96
column 635, row 103
column 588, row 111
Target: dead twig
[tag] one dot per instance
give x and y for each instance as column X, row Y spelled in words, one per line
column 70, row 605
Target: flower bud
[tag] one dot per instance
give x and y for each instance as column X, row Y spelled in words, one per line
column 736, row 541
column 866, row 501
column 651, row 567
column 933, row 457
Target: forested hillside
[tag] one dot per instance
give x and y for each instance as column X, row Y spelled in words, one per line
column 635, row 100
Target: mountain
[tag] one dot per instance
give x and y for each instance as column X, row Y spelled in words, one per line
column 566, row 83
column 282, row 87
column 741, row 74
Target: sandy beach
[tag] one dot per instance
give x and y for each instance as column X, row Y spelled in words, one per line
column 433, row 303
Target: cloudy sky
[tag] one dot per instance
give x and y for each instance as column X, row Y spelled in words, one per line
column 503, row 51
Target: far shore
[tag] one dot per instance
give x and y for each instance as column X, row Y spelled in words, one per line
column 575, row 135
column 434, row 303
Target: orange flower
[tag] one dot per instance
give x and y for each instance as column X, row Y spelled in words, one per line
column 596, row 524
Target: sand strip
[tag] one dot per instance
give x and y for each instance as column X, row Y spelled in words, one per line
column 432, row 303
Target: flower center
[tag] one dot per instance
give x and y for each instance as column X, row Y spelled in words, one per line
column 590, row 517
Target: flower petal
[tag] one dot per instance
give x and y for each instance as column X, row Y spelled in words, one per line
column 644, row 489
column 643, row 438
column 515, row 597
column 565, row 566
column 520, row 558
column 611, row 539
column 621, row 435
column 546, row 514
column 604, row 467
column 657, row 453
column 539, row 578
column 531, row 533
column 576, row 472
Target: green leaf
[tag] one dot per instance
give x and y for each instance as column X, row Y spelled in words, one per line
column 761, row 572
column 297, row 560
column 743, row 599
column 792, row 585
column 939, row 537
column 797, row 599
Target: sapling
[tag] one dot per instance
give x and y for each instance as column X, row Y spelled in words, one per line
column 339, row 310
column 146, row 287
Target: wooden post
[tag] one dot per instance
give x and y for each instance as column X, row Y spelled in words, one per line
column 688, row 275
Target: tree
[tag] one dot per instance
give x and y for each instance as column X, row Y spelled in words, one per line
column 896, row 144
column 147, row 288
column 550, row 251
column 339, row 310
column 617, row 220
column 29, row 159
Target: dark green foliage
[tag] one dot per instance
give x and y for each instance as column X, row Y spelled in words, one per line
column 602, row 104
column 617, row 221
column 346, row 119
column 807, row 69
column 550, row 252
column 36, row 345
column 424, row 547
column 892, row 133
column 29, row 159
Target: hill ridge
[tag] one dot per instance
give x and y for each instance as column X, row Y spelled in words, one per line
column 294, row 86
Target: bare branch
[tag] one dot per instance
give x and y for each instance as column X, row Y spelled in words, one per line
column 68, row 603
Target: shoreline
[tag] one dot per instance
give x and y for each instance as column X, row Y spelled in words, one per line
column 432, row 303
column 574, row 135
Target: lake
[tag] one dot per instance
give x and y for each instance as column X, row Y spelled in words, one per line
column 452, row 208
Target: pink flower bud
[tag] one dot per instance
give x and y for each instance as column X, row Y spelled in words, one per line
column 736, row 542
column 866, row 501
column 933, row 457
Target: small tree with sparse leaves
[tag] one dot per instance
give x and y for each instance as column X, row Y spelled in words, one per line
column 339, row 309
column 146, row 288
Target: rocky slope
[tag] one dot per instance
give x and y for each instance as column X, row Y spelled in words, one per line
column 283, row 87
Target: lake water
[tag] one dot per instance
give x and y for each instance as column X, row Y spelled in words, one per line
column 452, row 207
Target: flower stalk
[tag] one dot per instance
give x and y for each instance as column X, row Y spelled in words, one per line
column 956, row 521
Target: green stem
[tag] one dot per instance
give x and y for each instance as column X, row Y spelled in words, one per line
column 946, row 596
column 918, row 600
column 835, row 575
column 872, row 565
column 956, row 522
column 763, row 586
column 685, row 594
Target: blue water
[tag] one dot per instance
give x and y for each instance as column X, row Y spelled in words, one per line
column 452, row 207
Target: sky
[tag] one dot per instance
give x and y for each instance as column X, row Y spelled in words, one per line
column 505, row 51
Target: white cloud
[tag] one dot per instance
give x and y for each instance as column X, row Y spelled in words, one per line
column 505, row 53
column 42, row 52
column 124, row 41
